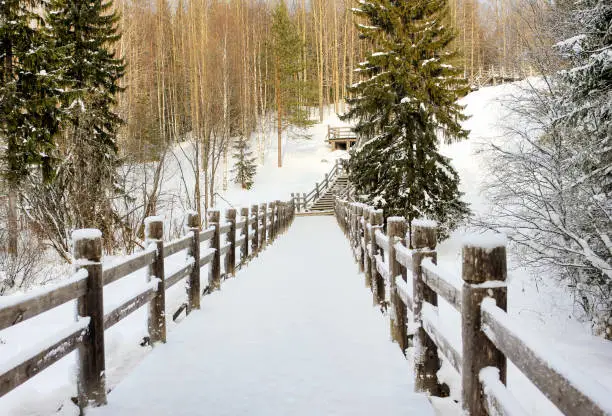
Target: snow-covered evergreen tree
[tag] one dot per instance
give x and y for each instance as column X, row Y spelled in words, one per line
column 245, row 167
column 84, row 33
column 407, row 98
column 28, row 99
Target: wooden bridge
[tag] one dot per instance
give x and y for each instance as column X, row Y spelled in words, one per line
column 295, row 343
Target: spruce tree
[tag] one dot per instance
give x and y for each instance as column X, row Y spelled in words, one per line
column 84, row 33
column 406, row 99
column 28, row 100
column 245, row 168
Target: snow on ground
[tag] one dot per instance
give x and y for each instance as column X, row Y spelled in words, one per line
column 293, row 334
column 539, row 304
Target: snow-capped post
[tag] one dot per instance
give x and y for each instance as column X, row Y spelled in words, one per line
column 484, row 275
column 396, row 230
column 91, row 383
column 255, row 224
column 352, row 225
column 154, row 236
column 263, row 209
column 359, row 228
column 214, row 274
column 303, row 201
column 193, row 285
column 367, row 266
column 326, row 181
column 317, row 190
column 230, row 257
column 244, row 248
column 423, row 240
column 271, row 215
column 378, row 285
column 277, row 226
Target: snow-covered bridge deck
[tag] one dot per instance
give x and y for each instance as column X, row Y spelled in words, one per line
column 293, row 334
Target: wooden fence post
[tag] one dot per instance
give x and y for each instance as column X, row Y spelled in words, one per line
column 230, row 257
column 278, row 228
column 484, row 275
column 264, row 219
column 304, row 201
column 378, row 284
column 271, row 222
column 367, row 264
column 396, row 231
column 244, row 248
column 255, row 241
column 214, row 274
column 426, row 362
column 317, row 190
column 358, row 235
column 91, row 383
column 193, row 285
column 154, row 235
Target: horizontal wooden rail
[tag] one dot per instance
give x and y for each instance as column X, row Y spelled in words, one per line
column 431, row 325
column 35, row 360
column 207, row 234
column 565, row 386
column 178, row 245
column 435, row 278
column 498, row 399
column 131, row 305
column 178, row 275
column 86, row 286
column 14, row 310
column 489, row 335
column 129, row 266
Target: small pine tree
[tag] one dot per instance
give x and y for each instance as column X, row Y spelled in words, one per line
column 245, row 168
column 406, row 99
column 84, row 33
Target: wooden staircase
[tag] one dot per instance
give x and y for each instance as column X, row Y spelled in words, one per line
column 326, row 201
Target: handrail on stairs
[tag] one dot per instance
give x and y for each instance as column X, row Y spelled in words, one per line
column 307, row 200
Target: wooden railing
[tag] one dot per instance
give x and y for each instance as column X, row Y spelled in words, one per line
column 250, row 233
column 489, row 336
column 305, row 200
column 339, row 133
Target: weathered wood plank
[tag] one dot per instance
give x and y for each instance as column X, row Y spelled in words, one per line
column 240, row 241
column 565, row 386
column 20, row 308
column 430, row 325
column 130, row 306
column 403, row 255
column 178, row 275
column 224, row 228
column 240, row 224
column 434, row 278
column 402, row 291
column 130, row 265
column 36, row 360
column 207, row 234
column 177, row 245
column 382, row 240
column 498, row 400
column 207, row 257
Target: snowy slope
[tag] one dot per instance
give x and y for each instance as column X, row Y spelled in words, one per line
column 539, row 302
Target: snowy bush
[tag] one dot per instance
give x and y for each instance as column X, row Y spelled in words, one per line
column 18, row 272
column 551, row 182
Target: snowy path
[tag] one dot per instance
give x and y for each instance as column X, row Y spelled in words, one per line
column 293, row 334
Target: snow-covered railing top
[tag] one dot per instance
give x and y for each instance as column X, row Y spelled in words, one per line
column 489, row 335
column 251, row 231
